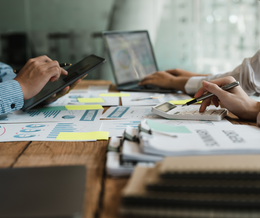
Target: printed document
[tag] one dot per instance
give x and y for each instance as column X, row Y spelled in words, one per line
column 201, row 140
column 50, row 116
column 75, row 99
column 131, row 113
column 43, row 131
column 152, row 99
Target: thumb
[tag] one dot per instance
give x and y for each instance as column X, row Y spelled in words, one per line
column 214, row 88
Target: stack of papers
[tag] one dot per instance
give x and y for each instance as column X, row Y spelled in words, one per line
column 154, row 140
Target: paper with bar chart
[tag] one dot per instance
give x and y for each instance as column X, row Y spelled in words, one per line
column 43, row 131
column 51, row 116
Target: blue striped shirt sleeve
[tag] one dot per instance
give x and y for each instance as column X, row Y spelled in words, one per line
column 11, row 94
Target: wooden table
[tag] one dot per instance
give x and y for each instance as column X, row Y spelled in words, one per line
column 102, row 194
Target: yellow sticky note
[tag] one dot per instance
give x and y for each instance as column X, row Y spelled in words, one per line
column 84, row 107
column 181, row 102
column 114, row 94
column 90, row 100
column 74, row 136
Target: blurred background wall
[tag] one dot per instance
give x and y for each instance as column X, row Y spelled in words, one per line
column 203, row 36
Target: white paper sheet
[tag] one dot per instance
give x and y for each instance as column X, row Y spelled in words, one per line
column 136, row 113
column 43, row 131
column 201, row 140
column 51, row 116
column 132, row 113
column 72, row 99
column 130, row 101
column 193, row 123
column 117, row 127
column 98, row 89
column 114, row 169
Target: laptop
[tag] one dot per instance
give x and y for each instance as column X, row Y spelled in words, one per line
column 132, row 58
column 42, row 192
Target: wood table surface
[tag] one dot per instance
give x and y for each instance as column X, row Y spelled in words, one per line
column 102, row 193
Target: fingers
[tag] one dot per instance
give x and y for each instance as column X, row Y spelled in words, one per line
column 205, row 104
column 215, row 101
column 64, row 72
column 75, row 83
column 146, row 82
column 53, row 70
column 200, row 92
column 215, row 89
column 41, row 59
column 258, row 119
column 83, row 77
column 63, row 92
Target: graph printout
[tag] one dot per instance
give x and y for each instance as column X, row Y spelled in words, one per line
column 51, row 116
column 150, row 99
column 43, row 131
column 117, row 127
column 73, row 99
column 132, row 113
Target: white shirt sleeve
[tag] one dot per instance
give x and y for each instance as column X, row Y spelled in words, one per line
column 247, row 73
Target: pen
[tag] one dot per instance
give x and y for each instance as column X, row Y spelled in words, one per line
column 151, row 97
column 61, row 65
column 205, row 96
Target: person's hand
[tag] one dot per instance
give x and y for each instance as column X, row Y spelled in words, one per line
column 164, row 80
column 169, row 79
column 36, row 73
column 184, row 73
column 63, row 92
column 235, row 99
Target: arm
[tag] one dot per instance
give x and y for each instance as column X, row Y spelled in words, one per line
column 235, row 100
column 247, row 73
column 169, row 79
column 37, row 72
column 11, row 95
column 30, row 80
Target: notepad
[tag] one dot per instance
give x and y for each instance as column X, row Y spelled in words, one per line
column 91, row 100
column 114, row 94
column 88, row 136
column 84, row 107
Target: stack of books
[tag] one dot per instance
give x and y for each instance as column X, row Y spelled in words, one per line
column 195, row 186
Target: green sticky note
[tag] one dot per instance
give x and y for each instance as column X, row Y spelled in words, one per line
column 114, row 94
column 57, row 108
column 90, row 100
column 161, row 127
column 84, row 107
column 74, row 136
column 181, row 102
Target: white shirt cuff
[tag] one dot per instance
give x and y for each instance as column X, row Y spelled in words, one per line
column 193, row 84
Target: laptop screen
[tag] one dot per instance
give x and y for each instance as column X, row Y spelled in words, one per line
column 131, row 55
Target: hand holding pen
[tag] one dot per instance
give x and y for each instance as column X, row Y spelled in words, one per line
column 235, row 99
column 208, row 95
